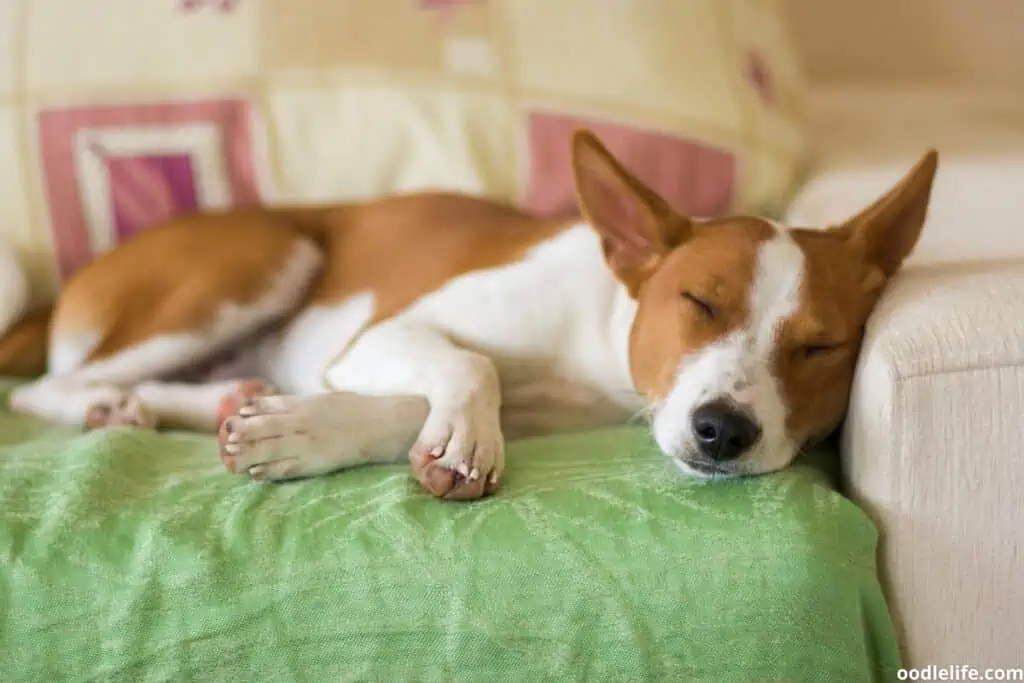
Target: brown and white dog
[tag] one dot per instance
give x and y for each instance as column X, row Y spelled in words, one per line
column 437, row 325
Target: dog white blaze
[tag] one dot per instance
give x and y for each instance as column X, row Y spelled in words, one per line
column 739, row 366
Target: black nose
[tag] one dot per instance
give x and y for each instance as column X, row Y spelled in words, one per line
column 723, row 430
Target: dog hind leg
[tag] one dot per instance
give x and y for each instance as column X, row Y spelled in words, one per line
column 110, row 333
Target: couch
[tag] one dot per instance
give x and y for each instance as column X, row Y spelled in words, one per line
column 134, row 556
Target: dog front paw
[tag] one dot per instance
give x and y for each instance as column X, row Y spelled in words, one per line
column 272, row 437
column 460, row 457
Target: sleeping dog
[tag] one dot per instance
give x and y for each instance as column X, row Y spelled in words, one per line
column 438, row 325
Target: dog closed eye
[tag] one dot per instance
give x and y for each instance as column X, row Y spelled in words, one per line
column 701, row 305
column 817, row 350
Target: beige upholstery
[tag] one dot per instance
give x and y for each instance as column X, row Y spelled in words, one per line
column 933, row 446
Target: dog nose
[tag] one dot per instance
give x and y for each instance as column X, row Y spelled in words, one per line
column 723, row 430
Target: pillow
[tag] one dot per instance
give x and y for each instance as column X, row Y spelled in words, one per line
column 208, row 103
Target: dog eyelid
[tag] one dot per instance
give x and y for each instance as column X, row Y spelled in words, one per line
column 707, row 309
column 820, row 348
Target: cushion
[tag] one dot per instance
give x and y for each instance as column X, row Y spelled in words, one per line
column 133, row 556
column 207, row 103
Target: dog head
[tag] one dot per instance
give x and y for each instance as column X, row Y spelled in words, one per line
column 746, row 334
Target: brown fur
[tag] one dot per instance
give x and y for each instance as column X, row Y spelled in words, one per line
column 174, row 276
column 441, row 236
column 847, row 270
column 665, row 259
column 716, row 247
column 23, row 347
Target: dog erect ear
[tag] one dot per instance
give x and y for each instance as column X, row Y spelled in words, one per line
column 886, row 232
column 637, row 227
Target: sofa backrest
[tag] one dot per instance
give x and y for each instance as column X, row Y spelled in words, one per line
column 116, row 115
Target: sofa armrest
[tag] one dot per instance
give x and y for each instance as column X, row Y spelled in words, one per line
column 933, row 450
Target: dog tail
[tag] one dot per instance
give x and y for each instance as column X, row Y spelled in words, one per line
column 23, row 333
column 23, row 346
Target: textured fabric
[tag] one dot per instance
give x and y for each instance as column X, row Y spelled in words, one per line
column 131, row 556
column 209, row 103
column 933, row 450
column 934, row 442
column 865, row 139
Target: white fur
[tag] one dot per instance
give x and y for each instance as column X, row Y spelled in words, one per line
column 68, row 352
column 472, row 347
column 555, row 325
column 297, row 361
column 67, row 397
column 738, row 367
column 400, row 357
column 185, row 406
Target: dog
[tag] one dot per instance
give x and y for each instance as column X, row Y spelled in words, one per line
column 438, row 325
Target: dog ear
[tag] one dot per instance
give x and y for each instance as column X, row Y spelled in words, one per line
column 886, row 232
column 637, row 227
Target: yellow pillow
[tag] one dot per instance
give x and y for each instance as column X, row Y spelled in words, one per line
column 117, row 114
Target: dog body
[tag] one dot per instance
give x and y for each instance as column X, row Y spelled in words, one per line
column 439, row 325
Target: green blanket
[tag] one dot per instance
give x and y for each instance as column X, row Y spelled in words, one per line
column 132, row 556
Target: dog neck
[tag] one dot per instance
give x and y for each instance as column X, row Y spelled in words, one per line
column 622, row 314
column 607, row 319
